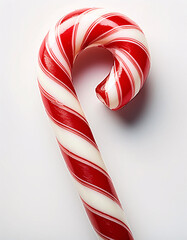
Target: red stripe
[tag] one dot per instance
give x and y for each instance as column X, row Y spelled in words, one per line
column 50, row 65
column 57, row 37
column 118, row 88
column 106, row 24
column 95, row 188
column 42, row 91
column 103, row 95
column 59, row 104
column 107, row 225
column 65, row 117
column 61, row 51
column 74, row 131
column 101, row 92
column 121, row 20
column 125, row 84
column 74, row 14
column 91, row 176
column 67, row 35
column 78, row 158
column 135, row 51
column 135, row 64
column 80, row 127
column 65, row 40
column 129, row 73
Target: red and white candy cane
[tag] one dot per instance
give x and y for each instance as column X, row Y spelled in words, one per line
column 125, row 40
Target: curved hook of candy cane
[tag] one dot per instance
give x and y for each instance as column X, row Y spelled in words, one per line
column 73, row 33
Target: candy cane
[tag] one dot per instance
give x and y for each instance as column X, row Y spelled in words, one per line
column 73, row 33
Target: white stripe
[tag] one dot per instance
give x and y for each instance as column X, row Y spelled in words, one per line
column 58, row 92
column 86, row 162
column 111, row 89
column 132, row 68
column 101, row 202
column 106, row 22
column 124, row 33
column 137, row 65
column 90, row 184
column 78, row 145
column 85, row 20
column 66, row 24
column 51, row 41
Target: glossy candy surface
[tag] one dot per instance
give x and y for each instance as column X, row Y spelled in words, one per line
column 125, row 40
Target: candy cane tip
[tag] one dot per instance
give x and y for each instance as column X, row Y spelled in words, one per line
column 107, row 93
column 102, row 94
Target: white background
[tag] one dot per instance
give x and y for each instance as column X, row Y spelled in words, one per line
column 144, row 145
